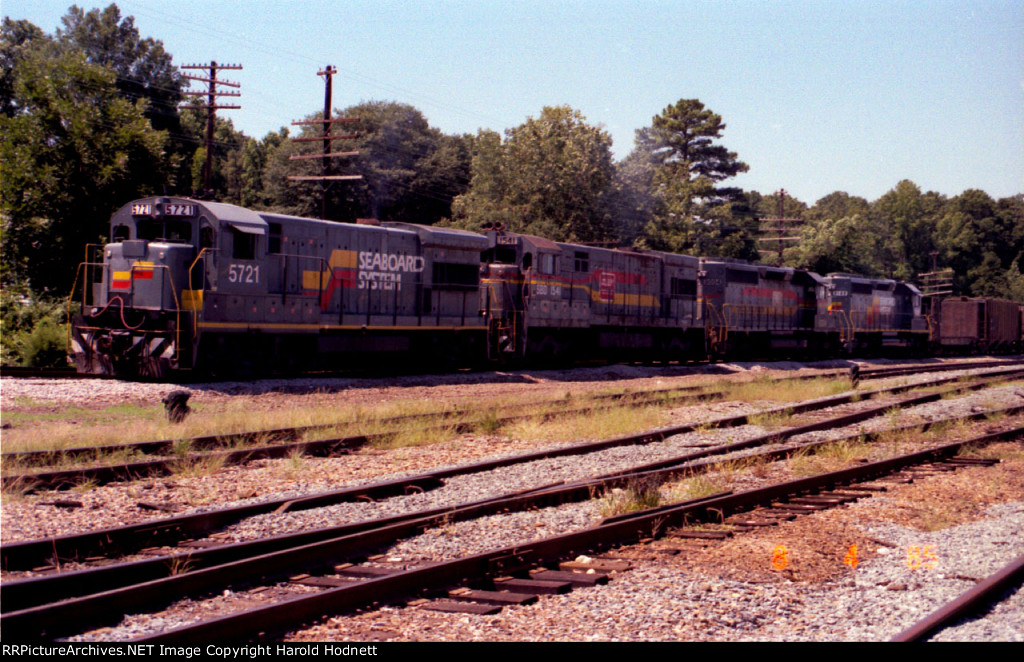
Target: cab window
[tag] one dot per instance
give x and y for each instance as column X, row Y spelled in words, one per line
column 243, row 245
column 120, row 233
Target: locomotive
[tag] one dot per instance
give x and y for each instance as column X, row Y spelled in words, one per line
column 188, row 284
column 193, row 286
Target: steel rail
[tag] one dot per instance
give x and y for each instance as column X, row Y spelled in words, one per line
column 226, row 439
column 145, row 584
column 285, row 615
column 27, row 554
column 214, row 441
column 133, row 470
column 990, row 589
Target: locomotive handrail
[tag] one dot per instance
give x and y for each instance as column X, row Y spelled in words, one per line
column 104, row 265
column 71, row 296
column 847, row 330
column 719, row 325
column 931, row 328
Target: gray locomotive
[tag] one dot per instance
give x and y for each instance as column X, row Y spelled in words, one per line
column 187, row 285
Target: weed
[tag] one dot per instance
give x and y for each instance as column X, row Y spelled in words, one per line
column 413, row 435
column 994, row 415
column 776, row 390
column 294, row 465
column 807, row 460
column 698, row 487
column 85, row 485
column 639, row 494
column 593, row 424
column 181, row 448
column 893, row 416
column 705, row 428
column 771, row 419
column 179, row 565
column 198, row 466
column 489, row 424
column 15, row 490
column 754, row 464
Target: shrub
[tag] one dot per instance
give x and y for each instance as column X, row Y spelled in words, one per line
column 45, row 346
column 32, row 330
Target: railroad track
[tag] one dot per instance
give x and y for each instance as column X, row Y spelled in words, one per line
column 515, row 569
column 988, row 591
column 100, row 474
column 29, row 554
column 22, row 372
column 241, row 561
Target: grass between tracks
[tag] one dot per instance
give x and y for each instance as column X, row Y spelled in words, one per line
column 70, row 427
column 789, row 390
column 638, row 495
column 55, row 427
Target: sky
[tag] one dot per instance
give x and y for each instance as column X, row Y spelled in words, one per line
column 817, row 96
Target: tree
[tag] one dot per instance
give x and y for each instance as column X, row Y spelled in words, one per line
column 838, row 235
column 838, row 244
column 633, row 202
column 72, row 150
column 837, row 205
column 958, row 235
column 410, row 170
column 144, row 70
column 17, row 38
column 905, row 221
column 692, row 212
column 552, row 177
column 982, row 240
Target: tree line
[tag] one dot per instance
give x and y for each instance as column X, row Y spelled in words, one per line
column 90, row 119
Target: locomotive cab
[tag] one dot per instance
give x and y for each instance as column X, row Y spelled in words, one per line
column 138, row 296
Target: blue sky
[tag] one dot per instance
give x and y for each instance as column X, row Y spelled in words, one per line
column 847, row 95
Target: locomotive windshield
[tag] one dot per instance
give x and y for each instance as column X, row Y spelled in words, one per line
column 171, row 230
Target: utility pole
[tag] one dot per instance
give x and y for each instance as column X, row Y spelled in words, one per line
column 325, row 178
column 782, row 226
column 935, row 283
column 211, row 107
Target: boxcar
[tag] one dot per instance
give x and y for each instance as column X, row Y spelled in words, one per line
column 988, row 325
